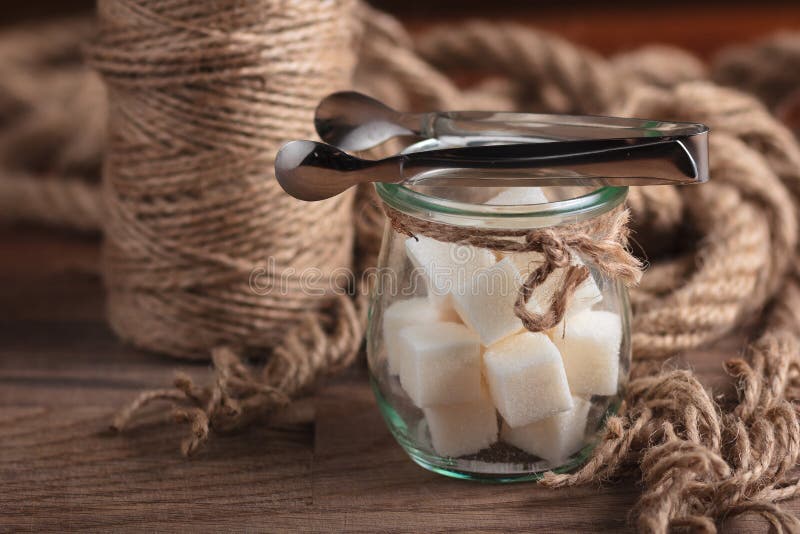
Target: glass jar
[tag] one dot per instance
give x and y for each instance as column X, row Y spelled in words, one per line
column 463, row 387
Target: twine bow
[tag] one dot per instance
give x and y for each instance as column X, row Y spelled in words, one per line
column 603, row 241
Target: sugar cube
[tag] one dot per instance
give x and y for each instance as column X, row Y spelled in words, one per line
column 515, row 196
column 448, row 314
column 462, row 428
column 405, row 313
column 590, row 343
column 526, row 378
column 440, row 364
column 487, row 303
column 554, row 438
column 446, row 266
column 585, row 296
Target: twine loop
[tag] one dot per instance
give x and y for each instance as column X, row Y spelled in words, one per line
column 602, row 240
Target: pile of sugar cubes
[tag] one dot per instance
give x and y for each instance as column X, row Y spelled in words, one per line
column 463, row 356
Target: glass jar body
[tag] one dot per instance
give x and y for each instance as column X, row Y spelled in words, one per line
column 465, row 389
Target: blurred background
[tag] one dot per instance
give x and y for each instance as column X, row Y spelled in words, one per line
column 700, row 26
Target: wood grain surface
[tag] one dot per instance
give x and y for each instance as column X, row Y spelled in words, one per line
column 328, row 465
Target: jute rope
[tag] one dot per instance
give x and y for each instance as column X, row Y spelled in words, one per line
column 724, row 256
column 602, row 241
column 767, row 69
column 47, row 172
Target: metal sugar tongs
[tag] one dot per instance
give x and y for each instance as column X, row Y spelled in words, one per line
column 498, row 149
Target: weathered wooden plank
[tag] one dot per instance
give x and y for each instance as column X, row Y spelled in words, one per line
column 61, row 468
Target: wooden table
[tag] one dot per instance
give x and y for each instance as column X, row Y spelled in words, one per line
column 331, row 466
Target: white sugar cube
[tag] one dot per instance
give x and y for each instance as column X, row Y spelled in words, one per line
column 448, row 314
column 526, row 378
column 487, row 303
column 515, row 196
column 463, row 428
column 446, row 266
column 554, row 438
column 526, row 262
column 440, row 364
column 405, row 313
column 586, row 295
column 590, row 343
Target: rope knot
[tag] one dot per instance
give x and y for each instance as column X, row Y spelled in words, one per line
column 601, row 240
column 554, row 249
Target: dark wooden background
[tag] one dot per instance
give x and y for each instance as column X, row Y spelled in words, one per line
column 702, row 26
column 329, row 464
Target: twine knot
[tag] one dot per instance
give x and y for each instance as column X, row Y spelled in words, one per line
column 546, row 242
column 602, row 241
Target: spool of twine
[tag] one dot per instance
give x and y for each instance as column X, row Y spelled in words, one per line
column 203, row 252
column 201, row 98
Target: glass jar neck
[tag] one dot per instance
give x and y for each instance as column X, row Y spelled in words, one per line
column 512, row 217
column 437, row 209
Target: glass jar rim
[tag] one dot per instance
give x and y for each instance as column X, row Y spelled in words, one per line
column 460, row 213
